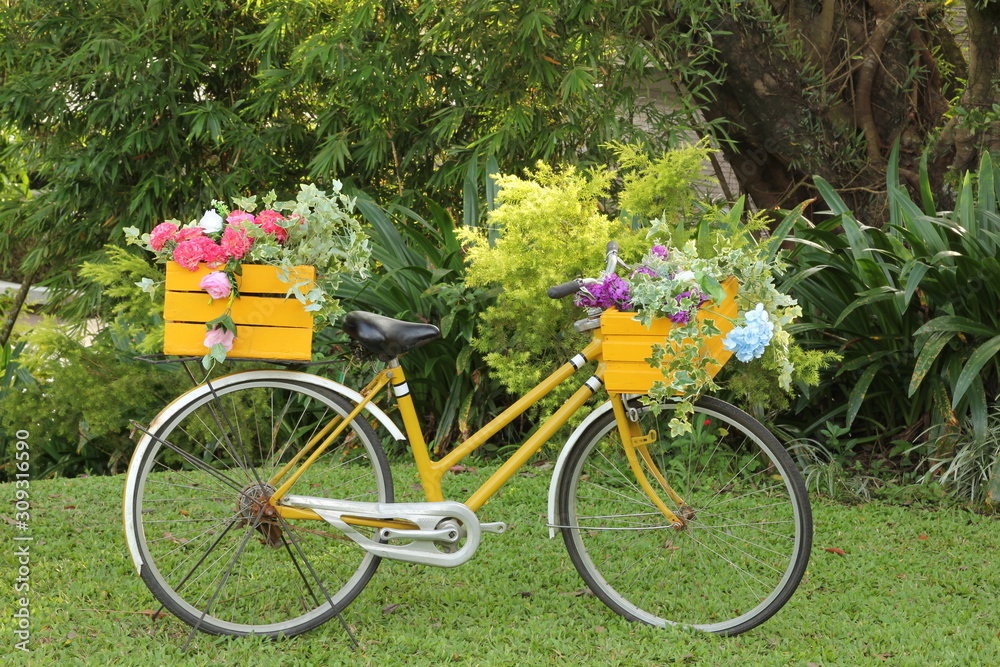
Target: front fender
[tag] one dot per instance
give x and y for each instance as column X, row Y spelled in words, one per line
column 554, row 520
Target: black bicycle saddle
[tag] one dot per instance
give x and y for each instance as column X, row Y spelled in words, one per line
column 385, row 337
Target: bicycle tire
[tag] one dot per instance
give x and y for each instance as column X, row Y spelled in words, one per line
column 748, row 536
column 206, row 552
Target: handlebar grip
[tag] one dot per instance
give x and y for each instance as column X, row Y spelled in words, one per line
column 567, row 288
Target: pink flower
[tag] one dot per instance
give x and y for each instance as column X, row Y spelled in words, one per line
column 189, row 233
column 235, row 242
column 190, row 252
column 163, row 232
column 269, row 221
column 220, row 336
column 217, row 284
column 236, row 217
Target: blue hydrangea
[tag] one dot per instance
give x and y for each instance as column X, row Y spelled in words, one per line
column 750, row 340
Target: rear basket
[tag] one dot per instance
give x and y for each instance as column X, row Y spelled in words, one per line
column 269, row 325
column 627, row 343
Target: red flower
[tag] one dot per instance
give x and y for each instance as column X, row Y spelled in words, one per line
column 189, row 233
column 270, row 221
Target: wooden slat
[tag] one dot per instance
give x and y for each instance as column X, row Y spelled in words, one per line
column 256, row 278
column 257, row 342
column 255, row 310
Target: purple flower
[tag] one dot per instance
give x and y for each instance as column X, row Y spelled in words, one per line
column 693, row 294
column 611, row 291
column 646, row 271
column 695, row 297
column 660, row 251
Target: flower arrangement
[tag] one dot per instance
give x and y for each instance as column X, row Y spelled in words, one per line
column 315, row 229
column 674, row 283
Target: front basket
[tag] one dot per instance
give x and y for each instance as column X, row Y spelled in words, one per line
column 628, row 343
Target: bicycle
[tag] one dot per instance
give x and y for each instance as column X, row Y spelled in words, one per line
column 217, row 534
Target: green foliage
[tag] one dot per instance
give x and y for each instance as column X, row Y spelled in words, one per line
column 551, row 230
column 913, row 307
column 661, row 188
column 127, row 113
column 419, row 276
column 79, row 410
column 133, row 313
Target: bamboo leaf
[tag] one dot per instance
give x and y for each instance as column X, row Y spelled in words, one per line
column 983, row 355
column 470, row 193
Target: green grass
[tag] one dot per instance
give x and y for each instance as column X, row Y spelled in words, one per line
column 916, row 586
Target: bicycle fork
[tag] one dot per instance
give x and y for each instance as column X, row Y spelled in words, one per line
column 635, row 443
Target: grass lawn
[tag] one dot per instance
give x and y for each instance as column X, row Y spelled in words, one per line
column 916, row 585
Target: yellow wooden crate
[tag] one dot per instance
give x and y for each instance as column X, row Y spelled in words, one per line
column 628, row 343
column 269, row 325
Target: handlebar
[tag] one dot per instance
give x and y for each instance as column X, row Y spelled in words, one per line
column 573, row 286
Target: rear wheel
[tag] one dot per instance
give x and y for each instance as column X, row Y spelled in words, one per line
column 748, row 529
column 199, row 518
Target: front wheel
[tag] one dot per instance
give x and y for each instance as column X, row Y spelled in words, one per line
column 197, row 496
column 748, row 527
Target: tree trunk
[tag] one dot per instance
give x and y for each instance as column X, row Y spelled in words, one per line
column 15, row 310
column 827, row 88
column 977, row 127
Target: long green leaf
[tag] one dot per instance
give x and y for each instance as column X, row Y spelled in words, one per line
column 955, row 324
column 780, row 232
column 492, row 189
column 978, row 410
column 983, row 354
column 931, row 349
column 864, row 301
column 926, row 196
column 857, row 396
column 965, row 207
column 912, row 282
column 987, row 202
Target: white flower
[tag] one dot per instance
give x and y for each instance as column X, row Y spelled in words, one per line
column 684, row 275
column 211, row 222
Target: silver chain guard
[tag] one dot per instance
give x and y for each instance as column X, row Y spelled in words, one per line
column 422, row 546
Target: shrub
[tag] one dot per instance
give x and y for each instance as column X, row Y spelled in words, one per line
column 78, row 411
column 913, row 307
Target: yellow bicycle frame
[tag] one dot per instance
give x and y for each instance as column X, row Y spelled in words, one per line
column 432, row 472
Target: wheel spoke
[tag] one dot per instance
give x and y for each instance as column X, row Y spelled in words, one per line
column 747, row 528
column 200, row 494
